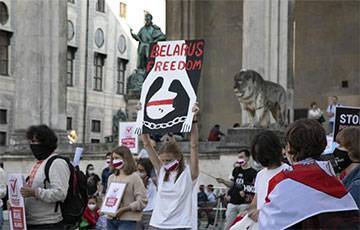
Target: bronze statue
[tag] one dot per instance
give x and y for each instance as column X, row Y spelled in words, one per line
column 148, row 34
column 135, row 82
column 119, row 116
column 259, row 98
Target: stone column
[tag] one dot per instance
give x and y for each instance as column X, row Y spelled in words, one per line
column 40, row 47
column 267, row 48
column 181, row 19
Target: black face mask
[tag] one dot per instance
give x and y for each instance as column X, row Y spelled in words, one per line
column 41, row 151
column 342, row 159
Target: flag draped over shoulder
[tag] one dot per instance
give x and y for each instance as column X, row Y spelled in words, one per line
column 302, row 191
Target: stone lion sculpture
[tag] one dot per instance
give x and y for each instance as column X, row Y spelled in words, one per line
column 259, row 98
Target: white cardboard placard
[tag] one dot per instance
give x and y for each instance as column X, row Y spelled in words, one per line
column 17, row 212
column 127, row 137
column 77, row 156
column 113, row 198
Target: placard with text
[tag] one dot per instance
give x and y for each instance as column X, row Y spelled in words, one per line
column 170, row 88
column 346, row 117
column 113, row 198
column 127, row 136
column 17, row 211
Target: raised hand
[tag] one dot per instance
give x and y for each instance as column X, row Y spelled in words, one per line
column 139, row 120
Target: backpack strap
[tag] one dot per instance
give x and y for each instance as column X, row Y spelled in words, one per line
column 47, row 170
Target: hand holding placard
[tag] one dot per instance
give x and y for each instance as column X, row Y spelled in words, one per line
column 113, row 198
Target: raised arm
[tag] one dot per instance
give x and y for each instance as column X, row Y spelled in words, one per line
column 228, row 184
column 153, row 155
column 135, row 36
column 194, row 148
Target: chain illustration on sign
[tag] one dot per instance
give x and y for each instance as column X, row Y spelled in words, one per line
column 162, row 102
column 165, row 125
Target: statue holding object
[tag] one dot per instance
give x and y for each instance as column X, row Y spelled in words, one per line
column 148, row 34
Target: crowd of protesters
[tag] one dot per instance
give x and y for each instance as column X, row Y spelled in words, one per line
column 298, row 191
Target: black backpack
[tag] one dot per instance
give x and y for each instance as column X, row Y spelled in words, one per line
column 73, row 206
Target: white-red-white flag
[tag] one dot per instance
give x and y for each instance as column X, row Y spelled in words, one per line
column 302, row 191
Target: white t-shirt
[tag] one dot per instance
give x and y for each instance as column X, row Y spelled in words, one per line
column 314, row 113
column 211, row 197
column 176, row 202
column 262, row 180
column 151, row 194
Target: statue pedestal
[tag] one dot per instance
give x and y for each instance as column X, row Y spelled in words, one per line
column 238, row 138
column 131, row 108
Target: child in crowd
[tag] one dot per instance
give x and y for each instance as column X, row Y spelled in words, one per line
column 134, row 199
column 145, row 169
column 176, row 199
column 91, row 214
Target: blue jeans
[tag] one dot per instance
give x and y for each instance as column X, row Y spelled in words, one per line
column 331, row 126
column 121, row 225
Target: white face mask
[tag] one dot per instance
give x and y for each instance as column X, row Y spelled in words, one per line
column 172, row 165
column 92, row 206
column 118, row 164
column 240, row 162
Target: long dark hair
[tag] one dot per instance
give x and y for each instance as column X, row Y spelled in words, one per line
column 173, row 148
column 146, row 163
column 87, row 169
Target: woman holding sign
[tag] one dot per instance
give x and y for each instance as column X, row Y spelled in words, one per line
column 133, row 200
column 176, row 200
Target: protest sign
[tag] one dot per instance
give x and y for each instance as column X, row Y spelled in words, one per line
column 77, row 156
column 113, row 198
column 127, row 136
column 169, row 90
column 17, row 211
column 346, row 117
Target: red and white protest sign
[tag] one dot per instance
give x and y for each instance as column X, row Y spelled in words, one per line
column 113, row 198
column 17, row 211
column 127, row 137
column 169, row 89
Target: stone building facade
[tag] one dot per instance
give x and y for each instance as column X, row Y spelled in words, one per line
column 51, row 50
column 33, row 66
column 311, row 48
column 100, row 56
